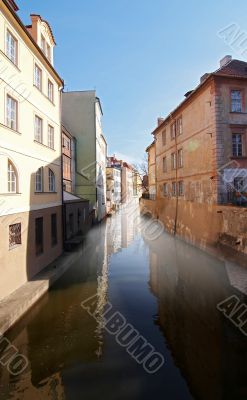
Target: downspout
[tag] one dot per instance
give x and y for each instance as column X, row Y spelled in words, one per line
column 61, row 145
column 176, row 178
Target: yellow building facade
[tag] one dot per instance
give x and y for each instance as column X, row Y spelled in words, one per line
column 30, row 149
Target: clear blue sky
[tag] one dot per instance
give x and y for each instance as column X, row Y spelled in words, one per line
column 140, row 55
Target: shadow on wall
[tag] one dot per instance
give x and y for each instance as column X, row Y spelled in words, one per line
column 44, row 228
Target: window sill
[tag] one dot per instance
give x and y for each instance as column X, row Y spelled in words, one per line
column 45, row 192
column 12, row 130
column 16, row 246
column 238, row 157
column 10, row 194
column 8, row 59
column 44, row 145
column 238, row 112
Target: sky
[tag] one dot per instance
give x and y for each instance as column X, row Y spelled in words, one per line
column 141, row 56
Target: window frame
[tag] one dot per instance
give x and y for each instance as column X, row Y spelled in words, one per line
column 50, row 84
column 16, row 60
column 241, row 90
column 179, row 126
column 164, row 164
column 17, row 236
column 173, row 129
column 173, row 161
column 41, row 180
column 236, row 144
column 174, row 192
column 37, row 68
column 11, row 181
column 51, row 181
column 12, row 99
column 163, row 137
column 165, row 189
column 180, row 159
column 51, row 143
column 181, row 185
column 36, row 118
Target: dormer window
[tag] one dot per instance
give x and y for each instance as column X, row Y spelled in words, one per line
column 43, row 44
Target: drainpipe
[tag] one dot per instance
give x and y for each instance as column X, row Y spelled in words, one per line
column 61, row 145
column 176, row 178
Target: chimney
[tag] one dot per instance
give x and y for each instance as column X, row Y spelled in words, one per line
column 160, row 120
column 204, row 77
column 225, row 61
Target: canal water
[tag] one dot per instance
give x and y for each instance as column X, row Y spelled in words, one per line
column 167, row 290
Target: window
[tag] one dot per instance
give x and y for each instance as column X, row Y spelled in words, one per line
column 50, row 91
column 39, row 237
column 236, row 101
column 48, row 52
column 66, row 143
column 52, row 183
column 43, row 44
column 51, row 136
column 180, row 158
column 38, row 129
column 14, row 235
column 165, row 189
column 181, row 188
column 164, row 165
column 53, row 229
column 179, row 126
column 11, row 47
column 39, row 180
column 164, row 137
column 66, row 167
column 12, row 111
column 174, row 188
column 12, row 178
column 173, row 130
column 173, row 161
column 237, row 145
column 38, row 77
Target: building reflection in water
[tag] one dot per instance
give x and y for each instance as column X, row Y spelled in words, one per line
column 209, row 350
column 58, row 335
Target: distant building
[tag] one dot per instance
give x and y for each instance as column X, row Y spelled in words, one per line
column 127, row 183
column 76, row 209
column 151, row 171
column 113, row 183
column 82, row 116
column 137, row 184
column 30, row 149
column 69, row 160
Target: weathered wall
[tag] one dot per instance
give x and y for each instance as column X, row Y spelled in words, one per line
column 201, row 224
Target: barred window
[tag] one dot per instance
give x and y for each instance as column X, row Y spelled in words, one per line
column 14, row 235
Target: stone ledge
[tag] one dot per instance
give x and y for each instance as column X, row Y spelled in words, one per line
column 13, row 307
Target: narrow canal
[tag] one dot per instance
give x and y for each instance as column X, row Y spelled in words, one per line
column 167, row 290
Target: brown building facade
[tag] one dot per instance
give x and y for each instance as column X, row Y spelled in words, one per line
column 201, row 155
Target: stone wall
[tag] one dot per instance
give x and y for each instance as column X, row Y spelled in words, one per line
column 201, row 224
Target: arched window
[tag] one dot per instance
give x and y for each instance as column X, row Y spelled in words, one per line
column 52, row 183
column 39, row 180
column 12, row 178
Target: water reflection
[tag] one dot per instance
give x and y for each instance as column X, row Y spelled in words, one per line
column 167, row 289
